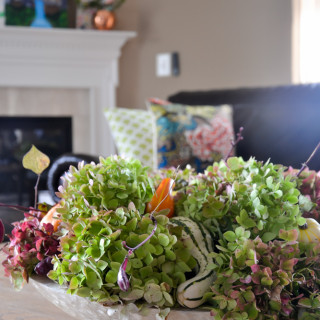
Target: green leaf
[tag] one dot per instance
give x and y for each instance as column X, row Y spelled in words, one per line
column 230, row 236
column 233, row 163
column 77, row 228
column 182, row 266
column 168, row 297
column 83, row 292
column 223, row 304
column 74, row 283
column 101, row 265
column 292, row 199
column 75, row 267
column 252, row 311
column 221, row 249
column 35, row 160
column 268, row 236
column 146, row 272
column 305, row 203
column 111, row 276
column 122, row 195
column 244, row 219
column 134, row 294
column 256, row 202
column 305, row 302
column 239, row 231
column 163, row 239
column 17, row 280
column 290, row 235
column 95, row 227
column 278, row 194
column 93, row 281
column 136, row 263
column 269, row 182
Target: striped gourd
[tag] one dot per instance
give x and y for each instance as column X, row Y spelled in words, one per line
column 309, row 232
column 190, row 293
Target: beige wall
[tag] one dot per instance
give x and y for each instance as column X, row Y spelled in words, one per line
column 222, row 44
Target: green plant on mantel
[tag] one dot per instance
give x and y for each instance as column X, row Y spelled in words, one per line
column 110, row 5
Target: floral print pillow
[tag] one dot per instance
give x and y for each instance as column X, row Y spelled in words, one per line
column 195, row 135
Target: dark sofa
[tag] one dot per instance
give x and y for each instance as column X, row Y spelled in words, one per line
column 281, row 123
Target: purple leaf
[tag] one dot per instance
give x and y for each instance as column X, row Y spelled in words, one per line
column 255, row 268
column 1, row 231
column 247, row 279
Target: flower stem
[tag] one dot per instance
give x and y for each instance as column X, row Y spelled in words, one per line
column 305, row 164
column 36, row 191
column 145, row 240
column 20, row 208
column 234, row 143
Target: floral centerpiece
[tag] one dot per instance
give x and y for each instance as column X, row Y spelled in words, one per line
column 240, row 240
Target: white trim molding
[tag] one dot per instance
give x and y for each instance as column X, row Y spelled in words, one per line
column 67, row 58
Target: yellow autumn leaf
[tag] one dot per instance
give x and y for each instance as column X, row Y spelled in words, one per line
column 35, row 160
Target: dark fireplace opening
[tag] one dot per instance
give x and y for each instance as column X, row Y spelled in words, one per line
column 51, row 135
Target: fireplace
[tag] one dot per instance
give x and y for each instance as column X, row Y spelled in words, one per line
column 51, row 135
column 33, row 60
column 38, row 66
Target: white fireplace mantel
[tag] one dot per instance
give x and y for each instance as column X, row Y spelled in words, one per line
column 67, row 58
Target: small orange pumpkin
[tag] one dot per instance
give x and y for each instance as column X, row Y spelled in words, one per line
column 52, row 216
column 164, row 191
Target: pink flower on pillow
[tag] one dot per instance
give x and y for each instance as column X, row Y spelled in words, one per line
column 207, row 140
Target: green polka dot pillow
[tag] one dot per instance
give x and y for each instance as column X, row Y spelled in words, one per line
column 132, row 131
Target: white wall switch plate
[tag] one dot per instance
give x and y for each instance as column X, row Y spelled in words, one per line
column 163, row 65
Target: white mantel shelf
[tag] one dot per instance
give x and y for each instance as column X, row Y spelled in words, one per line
column 67, row 58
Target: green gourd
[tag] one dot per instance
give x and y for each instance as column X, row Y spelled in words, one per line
column 190, row 293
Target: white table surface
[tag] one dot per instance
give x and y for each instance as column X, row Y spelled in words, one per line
column 27, row 304
column 30, row 304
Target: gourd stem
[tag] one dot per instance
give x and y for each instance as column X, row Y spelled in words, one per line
column 303, row 227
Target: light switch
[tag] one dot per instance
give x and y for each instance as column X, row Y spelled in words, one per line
column 163, row 65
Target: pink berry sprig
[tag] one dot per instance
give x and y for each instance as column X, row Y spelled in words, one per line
column 122, row 280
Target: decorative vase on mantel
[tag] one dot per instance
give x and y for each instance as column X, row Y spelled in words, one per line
column 40, row 20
